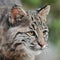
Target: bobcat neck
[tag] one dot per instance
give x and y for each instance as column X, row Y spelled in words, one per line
column 22, row 56
column 29, row 57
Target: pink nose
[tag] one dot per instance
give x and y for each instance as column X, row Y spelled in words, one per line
column 42, row 45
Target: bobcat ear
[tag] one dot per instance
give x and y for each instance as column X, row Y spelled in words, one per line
column 43, row 12
column 17, row 10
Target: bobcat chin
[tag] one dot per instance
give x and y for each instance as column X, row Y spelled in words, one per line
column 24, row 34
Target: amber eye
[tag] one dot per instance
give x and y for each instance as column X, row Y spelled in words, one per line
column 31, row 33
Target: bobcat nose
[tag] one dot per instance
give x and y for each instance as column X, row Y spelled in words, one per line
column 42, row 45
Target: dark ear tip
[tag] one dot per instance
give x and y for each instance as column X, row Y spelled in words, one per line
column 43, row 7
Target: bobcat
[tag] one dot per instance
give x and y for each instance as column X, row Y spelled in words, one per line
column 23, row 34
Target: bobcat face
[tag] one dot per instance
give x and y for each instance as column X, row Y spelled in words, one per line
column 28, row 31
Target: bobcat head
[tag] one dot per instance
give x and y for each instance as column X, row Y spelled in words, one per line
column 25, row 33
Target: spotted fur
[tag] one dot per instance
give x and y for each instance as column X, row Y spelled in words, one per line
column 23, row 34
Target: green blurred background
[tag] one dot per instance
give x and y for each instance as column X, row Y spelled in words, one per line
column 53, row 21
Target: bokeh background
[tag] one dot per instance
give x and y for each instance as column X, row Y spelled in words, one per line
column 53, row 50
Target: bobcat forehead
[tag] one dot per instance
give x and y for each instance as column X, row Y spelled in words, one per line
column 25, row 21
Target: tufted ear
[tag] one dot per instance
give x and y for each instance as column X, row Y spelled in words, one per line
column 16, row 11
column 43, row 12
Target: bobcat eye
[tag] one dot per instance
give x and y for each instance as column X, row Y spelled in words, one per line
column 31, row 33
column 45, row 32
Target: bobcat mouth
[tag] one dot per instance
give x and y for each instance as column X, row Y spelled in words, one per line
column 35, row 47
column 38, row 46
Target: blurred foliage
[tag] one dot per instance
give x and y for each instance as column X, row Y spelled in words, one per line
column 48, row 1
column 54, row 27
column 32, row 3
column 54, row 31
